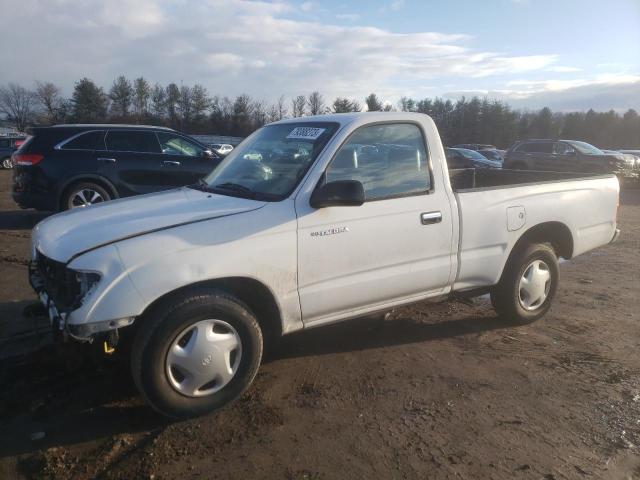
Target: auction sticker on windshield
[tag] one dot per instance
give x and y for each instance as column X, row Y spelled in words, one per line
column 305, row 133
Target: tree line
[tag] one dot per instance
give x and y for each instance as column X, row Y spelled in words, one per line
column 192, row 109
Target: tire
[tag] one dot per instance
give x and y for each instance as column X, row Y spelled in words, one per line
column 171, row 327
column 90, row 192
column 7, row 163
column 513, row 298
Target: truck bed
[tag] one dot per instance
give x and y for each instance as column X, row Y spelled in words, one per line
column 495, row 207
column 467, row 179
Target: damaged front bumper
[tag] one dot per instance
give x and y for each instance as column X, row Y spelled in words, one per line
column 59, row 316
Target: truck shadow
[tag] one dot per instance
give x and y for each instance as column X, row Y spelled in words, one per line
column 375, row 332
column 77, row 397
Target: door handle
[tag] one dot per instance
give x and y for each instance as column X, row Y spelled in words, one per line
column 171, row 162
column 103, row 159
column 428, row 218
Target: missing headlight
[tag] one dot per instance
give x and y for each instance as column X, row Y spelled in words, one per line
column 87, row 282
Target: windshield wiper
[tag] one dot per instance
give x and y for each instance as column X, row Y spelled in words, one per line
column 236, row 187
column 201, row 185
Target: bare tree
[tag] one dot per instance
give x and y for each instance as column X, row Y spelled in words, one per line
column 259, row 113
column 278, row 110
column 141, row 94
column 297, row 106
column 185, row 104
column 50, row 98
column 316, row 103
column 17, row 103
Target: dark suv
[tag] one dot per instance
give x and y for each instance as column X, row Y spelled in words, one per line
column 562, row 156
column 8, row 145
column 67, row 166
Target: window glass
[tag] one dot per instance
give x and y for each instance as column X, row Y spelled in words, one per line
column 4, row 143
column 537, row 147
column 172, row 144
column 132, row 141
column 389, row 160
column 272, row 161
column 587, row 148
column 86, row 141
column 562, row 149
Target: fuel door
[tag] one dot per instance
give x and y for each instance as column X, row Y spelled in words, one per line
column 516, row 218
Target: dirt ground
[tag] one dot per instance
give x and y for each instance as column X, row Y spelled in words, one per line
column 433, row 391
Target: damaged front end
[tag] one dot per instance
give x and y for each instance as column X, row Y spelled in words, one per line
column 61, row 291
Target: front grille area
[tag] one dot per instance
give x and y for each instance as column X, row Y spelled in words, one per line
column 59, row 282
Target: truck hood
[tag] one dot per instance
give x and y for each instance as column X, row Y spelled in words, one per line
column 68, row 234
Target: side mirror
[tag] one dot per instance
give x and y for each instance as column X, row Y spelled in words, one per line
column 342, row 193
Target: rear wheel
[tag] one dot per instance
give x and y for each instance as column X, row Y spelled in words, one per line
column 196, row 354
column 528, row 284
column 84, row 194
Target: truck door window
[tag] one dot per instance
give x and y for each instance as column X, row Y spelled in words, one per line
column 389, row 160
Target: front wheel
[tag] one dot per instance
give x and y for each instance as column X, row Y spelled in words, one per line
column 528, row 284
column 7, row 163
column 196, row 354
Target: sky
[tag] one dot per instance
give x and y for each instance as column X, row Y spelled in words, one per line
column 565, row 54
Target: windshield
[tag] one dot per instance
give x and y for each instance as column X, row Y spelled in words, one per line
column 584, row 147
column 271, row 162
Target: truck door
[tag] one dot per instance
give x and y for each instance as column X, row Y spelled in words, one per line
column 394, row 247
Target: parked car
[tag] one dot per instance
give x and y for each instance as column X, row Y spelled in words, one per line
column 464, row 158
column 8, row 145
column 210, row 273
column 68, row 166
column 493, row 154
column 475, row 146
column 221, row 148
column 563, row 156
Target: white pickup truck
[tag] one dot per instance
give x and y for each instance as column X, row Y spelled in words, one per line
column 309, row 221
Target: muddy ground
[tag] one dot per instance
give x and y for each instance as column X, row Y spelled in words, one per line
column 434, row 391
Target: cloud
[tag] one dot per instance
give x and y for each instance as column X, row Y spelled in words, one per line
column 560, row 69
column 237, row 46
column 602, row 92
column 306, row 6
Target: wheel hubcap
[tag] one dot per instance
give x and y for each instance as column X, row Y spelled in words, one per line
column 203, row 358
column 85, row 197
column 534, row 285
column 6, row 163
